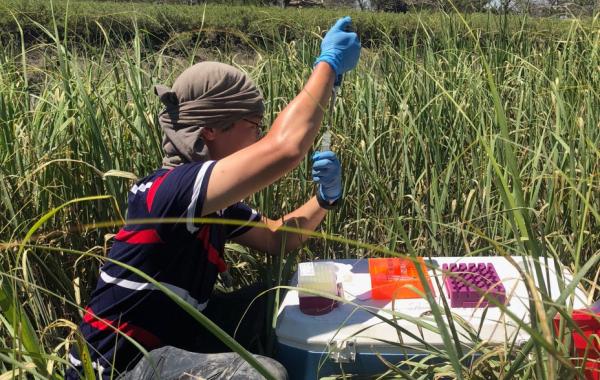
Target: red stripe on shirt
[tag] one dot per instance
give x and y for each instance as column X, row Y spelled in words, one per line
column 152, row 192
column 149, row 236
column 213, row 257
column 211, row 251
column 140, row 334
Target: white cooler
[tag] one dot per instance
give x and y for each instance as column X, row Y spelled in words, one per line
column 349, row 340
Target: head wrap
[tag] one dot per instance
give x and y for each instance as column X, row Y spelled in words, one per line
column 207, row 94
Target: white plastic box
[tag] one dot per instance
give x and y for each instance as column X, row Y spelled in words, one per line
column 348, row 339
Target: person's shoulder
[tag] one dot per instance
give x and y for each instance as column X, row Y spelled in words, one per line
column 179, row 169
column 188, row 174
column 191, row 170
column 150, row 177
column 191, row 166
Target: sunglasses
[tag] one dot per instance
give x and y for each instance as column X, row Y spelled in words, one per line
column 260, row 128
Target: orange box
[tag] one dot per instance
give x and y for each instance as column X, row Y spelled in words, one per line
column 392, row 278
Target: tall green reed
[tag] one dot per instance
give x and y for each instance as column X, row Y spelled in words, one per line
column 449, row 147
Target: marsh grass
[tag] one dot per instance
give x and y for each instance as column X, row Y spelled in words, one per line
column 450, row 147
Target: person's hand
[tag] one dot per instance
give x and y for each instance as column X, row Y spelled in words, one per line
column 340, row 48
column 327, row 173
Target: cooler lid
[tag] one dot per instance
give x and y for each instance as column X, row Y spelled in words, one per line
column 371, row 334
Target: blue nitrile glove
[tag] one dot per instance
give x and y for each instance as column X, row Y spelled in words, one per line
column 340, row 48
column 327, row 173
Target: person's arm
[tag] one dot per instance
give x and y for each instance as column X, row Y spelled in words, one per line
column 327, row 174
column 251, row 169
column 270, row 239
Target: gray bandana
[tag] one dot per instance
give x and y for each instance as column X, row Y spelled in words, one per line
column 208, row 94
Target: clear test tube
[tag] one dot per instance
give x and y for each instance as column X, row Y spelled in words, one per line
column 326, row 140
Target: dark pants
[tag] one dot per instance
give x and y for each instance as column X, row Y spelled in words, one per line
column 209, row 357
column 226, row 310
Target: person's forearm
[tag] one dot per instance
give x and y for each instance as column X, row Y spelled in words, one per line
column 297, row 125
column 306, row 217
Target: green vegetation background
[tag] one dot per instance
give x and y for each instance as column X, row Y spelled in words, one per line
column 88, row 21
column 458, row 136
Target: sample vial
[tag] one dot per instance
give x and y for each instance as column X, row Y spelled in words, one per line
column 326, row 140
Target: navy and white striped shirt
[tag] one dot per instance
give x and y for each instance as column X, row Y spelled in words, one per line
column 185, row 257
